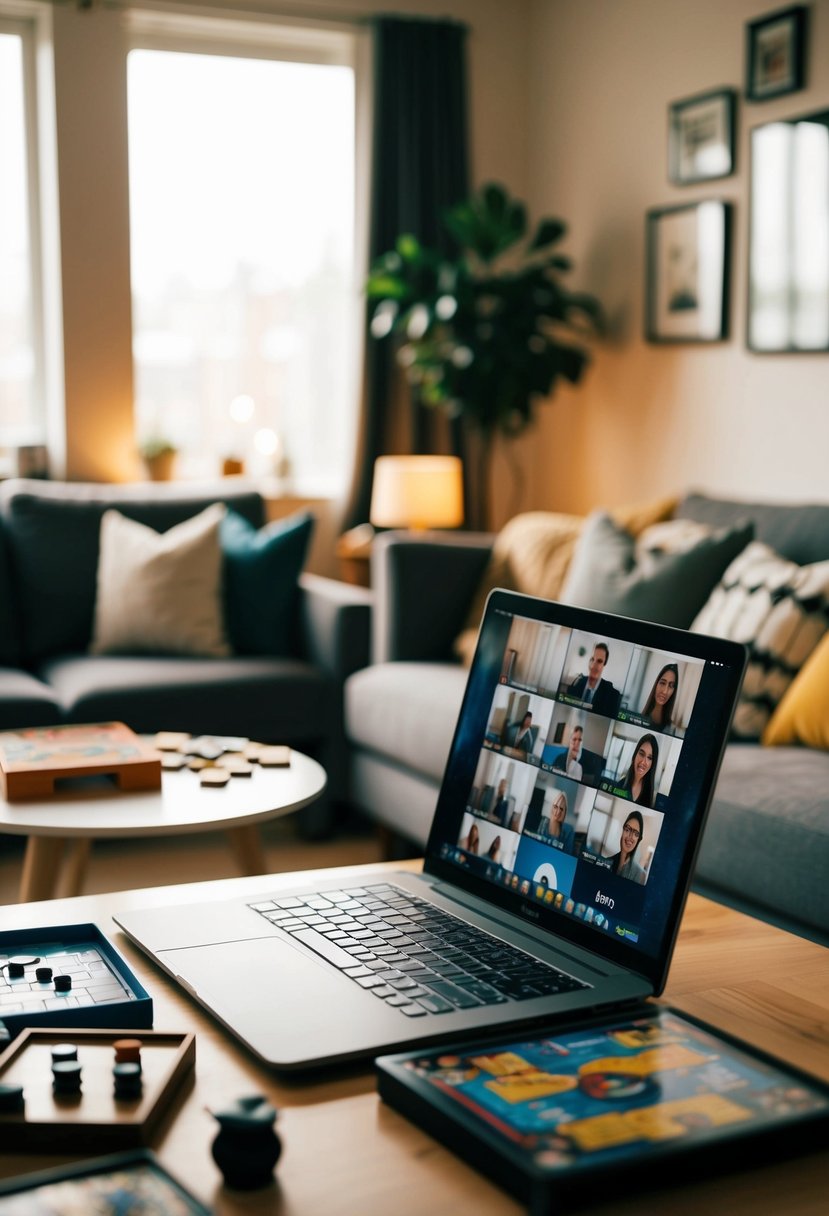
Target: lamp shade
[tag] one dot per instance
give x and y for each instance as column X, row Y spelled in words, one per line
column 417, row 492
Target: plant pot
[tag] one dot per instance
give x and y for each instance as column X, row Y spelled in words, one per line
column 160, row 467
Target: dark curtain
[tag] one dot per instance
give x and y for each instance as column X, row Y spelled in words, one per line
column 419, row 168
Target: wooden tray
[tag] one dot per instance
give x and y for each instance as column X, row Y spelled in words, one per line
column 33, row 760
column 94, row 1116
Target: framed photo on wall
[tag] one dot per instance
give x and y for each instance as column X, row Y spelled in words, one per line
column 687, row 272
column 776, row 54
column 701, row 137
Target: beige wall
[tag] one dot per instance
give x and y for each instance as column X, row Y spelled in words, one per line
column 653, row 419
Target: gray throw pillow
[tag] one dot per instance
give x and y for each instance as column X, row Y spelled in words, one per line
column 658, row 580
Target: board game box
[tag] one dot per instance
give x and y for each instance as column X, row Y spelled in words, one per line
column 563, row 1117
column 34, row 761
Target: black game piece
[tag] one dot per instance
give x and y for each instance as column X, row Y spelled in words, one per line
column 66, row 1077
column 63, row 983
column 11, row 1099
column 128, row 1080
column 15, row 970
column 43, row 975
column 247, row 1148
column 61, row 1052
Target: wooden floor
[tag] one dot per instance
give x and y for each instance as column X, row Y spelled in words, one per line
column 120, row 865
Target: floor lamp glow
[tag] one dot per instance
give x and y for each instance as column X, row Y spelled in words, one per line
column 417, row 492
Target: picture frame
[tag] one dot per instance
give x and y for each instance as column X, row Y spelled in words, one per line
column 688, row 253
column 776, row 54
column 701, row 137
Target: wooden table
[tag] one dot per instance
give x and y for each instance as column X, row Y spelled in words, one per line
column 79, row 816
column 346, row 1153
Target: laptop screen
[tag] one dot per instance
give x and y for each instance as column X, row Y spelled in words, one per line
column 581, row 771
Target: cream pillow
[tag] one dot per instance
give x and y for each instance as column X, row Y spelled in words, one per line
column 160, row 593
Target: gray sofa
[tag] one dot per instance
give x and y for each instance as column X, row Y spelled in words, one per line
column 48, row 563
column 766, row 845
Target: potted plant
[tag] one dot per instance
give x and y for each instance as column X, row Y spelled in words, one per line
column 159, row 457
column 485, row 334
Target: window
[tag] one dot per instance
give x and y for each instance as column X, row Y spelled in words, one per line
column 22, row 418
column 242, row 254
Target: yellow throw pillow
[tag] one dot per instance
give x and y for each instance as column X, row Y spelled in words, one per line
column 803, row 714
column 532, row 553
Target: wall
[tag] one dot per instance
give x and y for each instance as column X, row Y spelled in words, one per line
column 653, row 419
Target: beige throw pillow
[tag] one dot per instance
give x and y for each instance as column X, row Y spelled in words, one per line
column 532, row 554
column 160, row 593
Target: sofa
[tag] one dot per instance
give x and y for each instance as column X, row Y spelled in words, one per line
column 49, row 551
column 765, row 849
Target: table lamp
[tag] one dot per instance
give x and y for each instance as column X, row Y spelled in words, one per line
column 417, row 492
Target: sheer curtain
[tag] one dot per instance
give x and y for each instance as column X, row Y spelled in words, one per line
column 419, row 168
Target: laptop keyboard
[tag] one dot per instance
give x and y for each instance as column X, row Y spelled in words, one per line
column 410, row 954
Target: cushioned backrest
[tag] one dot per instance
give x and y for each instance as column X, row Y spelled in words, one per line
column 9, row 629
column 52, row 530
column 798, row 532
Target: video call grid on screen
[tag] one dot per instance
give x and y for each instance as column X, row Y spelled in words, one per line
column 575, row 772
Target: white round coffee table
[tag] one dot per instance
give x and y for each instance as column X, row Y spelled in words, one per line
column 182, row 805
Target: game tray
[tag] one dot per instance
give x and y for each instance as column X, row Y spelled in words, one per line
column 100, row 991
column 95, row 1114
column 575, row 1113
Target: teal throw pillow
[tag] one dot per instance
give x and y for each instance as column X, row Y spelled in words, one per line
column 261, row 569
column 664, row 575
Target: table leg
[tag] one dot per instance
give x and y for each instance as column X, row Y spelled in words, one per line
column 247, row 847
column 73, row 870
column 40, row 868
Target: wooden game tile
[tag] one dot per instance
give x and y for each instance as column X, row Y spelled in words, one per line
column 197, row 763
column 171, row 761
column 230, row 758
column 252, row 750
column 237, row 768
column 170, row 740
column 275, row 757
column 214, row 776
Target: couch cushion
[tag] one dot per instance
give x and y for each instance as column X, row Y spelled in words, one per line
column 261, row 572
column 9, row 631
column 275, row 700
column 767, row 834
column 53, row 531
column 406, row 711
column 667, row 582
column 26, row 701
column 160, row 593
column 798, row 532
column 780, row 611
column 803, row 714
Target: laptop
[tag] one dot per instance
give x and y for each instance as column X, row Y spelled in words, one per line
column 562, row 847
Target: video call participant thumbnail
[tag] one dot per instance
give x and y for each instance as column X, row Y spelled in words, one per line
column 659, row 705
column 592, row 688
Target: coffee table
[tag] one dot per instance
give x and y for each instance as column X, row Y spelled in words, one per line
column 346, row 1152
column 78, row 816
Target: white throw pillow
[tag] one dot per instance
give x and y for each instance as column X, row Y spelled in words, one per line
column 160, row 593
column 780, row 611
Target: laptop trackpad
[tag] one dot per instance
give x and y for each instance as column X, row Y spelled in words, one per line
column 290, row 1009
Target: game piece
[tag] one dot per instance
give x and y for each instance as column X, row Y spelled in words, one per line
column 127, row 1051
column 252, row 750
column 11, row 1099
column 247, row 1148
column 214, row 777
column 236, row 768
column 128, row 1080
column 61, row 1052
column 204, row 747
column 67, row 1077
column 15, row 970
column 275, row 757
column 63, row 983
column 43, row 975
column 231, row 758
column 170, row 740
column 197, row 763
column 172, row 761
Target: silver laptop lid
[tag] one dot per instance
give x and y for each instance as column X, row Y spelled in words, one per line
column 581, row 772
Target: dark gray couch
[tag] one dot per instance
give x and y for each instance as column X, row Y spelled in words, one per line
column 48, row 564
column 766, row 845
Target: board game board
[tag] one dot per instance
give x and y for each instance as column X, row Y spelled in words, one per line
column 34, row 760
